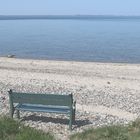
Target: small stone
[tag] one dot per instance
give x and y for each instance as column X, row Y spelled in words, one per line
column 11, row 56
column 108, row 83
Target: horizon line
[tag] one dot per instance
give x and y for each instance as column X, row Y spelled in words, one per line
column 66, row 15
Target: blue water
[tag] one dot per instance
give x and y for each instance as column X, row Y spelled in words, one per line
column 79, row 40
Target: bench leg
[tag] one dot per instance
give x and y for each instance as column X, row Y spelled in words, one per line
column 70, row 122
column 73, row 116
column 18, row 114
column 11, row 112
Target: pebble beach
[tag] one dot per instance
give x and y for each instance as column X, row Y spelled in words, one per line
column 105, row 93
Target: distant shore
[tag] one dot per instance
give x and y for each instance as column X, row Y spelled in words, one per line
column 105, row 92
column 29, row 17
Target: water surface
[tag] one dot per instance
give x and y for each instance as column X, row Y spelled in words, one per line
column 104, row 40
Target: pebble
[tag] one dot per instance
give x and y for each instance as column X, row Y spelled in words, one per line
column 58, row 124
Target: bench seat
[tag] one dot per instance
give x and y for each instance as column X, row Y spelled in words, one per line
column 43, row 108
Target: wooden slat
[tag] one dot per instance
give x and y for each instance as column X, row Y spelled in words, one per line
column 43, row 108
column 44, row 99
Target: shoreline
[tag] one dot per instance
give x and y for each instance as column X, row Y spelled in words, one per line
column 106, row 93
column 71, row 61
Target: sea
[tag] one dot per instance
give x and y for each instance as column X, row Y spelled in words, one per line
column 92, row 39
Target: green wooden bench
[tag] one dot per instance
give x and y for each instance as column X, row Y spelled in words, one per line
column 50, row 103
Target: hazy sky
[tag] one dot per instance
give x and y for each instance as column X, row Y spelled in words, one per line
column 68, row 7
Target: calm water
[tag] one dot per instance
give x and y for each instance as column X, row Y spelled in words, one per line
column 79, row 40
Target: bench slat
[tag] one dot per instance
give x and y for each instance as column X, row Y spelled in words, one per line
column 40, row 108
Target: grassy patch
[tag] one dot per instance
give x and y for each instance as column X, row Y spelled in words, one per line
column 13, row 130
column 119, row 132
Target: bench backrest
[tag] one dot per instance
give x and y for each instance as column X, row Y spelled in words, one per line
column 43, row 99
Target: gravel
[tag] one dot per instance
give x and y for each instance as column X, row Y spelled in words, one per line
column 58, row 124
column 107, row 86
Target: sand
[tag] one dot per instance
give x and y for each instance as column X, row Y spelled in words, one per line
column 100, row 89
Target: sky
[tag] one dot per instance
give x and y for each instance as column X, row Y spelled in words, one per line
column 69, row 7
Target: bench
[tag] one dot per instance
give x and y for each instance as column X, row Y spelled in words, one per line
column 51, row 103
